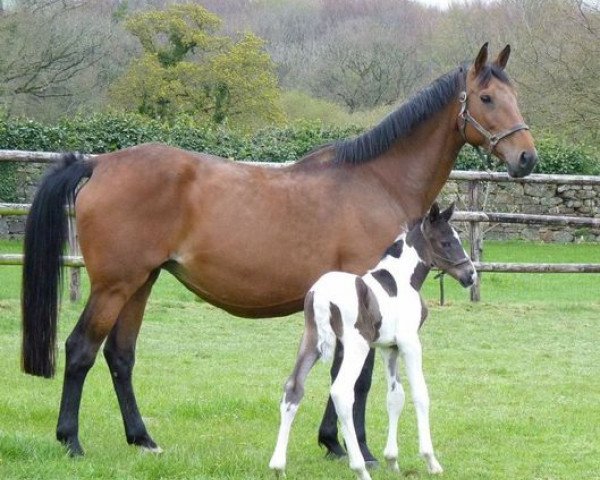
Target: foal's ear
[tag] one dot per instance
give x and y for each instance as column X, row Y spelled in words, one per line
column 434, row 213
column 481, row 59
column 502, row 59
column 447, row 214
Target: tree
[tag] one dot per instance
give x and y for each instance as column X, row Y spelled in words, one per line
column 186, row 68
column 46, row 48
column 363, row 67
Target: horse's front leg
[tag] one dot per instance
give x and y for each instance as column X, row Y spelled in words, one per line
column 342, row 394
column 395, row 404
column 413, row 357
column 328, row 431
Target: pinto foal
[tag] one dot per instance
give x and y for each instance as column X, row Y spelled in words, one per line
column 383, row 308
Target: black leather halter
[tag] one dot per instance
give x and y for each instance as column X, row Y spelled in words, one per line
column 492, row 139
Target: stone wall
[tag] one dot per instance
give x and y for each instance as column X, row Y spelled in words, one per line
column 532, row 198
column 28, row 177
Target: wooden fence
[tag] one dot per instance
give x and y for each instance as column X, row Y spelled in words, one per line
column 472, row 217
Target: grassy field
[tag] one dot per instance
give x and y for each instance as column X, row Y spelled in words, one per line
column 514, row 383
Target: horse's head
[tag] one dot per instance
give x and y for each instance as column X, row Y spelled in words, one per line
column 444, row 248
column 490, row 116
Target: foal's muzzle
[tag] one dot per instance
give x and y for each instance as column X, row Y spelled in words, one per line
column 468, row 278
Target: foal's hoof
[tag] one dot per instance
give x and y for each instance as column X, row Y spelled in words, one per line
column 279, row 473
column 156, row 450
column 334, row 450
column 370, row 461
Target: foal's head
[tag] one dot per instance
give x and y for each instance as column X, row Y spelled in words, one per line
column 490, row 116
column 443, row 248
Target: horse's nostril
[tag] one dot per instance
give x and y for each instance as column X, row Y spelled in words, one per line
column 525, row 158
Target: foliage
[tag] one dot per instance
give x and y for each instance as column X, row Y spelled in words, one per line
column 187, row 69
column 9, row 182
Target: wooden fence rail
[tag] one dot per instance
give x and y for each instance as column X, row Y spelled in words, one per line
column 473, row 217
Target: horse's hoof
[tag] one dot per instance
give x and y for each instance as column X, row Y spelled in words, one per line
column 145, row 443
column 72, row 445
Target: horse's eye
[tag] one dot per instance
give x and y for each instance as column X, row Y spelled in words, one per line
column 486, row 99
column 446, row 244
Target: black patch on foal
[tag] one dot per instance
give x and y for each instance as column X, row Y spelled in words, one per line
column 419, row 275
column 386, row 280
column 395, row 249
column 368, row 321
column 424, row 312
column 335, row 320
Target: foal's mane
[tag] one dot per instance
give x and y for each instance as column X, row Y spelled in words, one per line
column 417, row 109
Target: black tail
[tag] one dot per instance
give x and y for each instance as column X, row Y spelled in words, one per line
column 45, row 236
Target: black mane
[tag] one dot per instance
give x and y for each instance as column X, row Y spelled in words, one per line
column 409, row 115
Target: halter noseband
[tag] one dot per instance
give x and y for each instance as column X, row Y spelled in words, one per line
column 449, row 262
column 492, row 139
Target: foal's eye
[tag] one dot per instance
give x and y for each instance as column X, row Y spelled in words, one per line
column 446, row 244
column 486, row 99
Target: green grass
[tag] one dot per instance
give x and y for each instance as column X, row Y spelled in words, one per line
column 514, row 383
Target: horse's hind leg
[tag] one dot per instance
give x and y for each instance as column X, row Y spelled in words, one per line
column 82, row 345
column 119, row 351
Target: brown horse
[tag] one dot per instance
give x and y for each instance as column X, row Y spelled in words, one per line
column 248, row 239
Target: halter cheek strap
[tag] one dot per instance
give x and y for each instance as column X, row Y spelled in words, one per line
column 492, row 139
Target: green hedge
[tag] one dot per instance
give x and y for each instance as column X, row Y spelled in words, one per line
column 107, row 132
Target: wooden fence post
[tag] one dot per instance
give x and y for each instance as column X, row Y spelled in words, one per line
column 74, row 272
column 475, row 236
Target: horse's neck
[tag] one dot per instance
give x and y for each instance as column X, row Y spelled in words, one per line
column 417, row 166
column 412, row 267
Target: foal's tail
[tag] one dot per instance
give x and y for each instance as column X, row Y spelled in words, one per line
column 45, row 237
column 321, row 318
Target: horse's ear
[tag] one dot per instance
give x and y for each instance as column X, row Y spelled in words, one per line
column 481, row 58
column 447, row 214
column 434, row 212
column 502, row 59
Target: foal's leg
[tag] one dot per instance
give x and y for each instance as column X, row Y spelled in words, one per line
column 395, row 403
column 342, row 393
column 82, row 345
column 328, row 431
column 413, row 357
column 293, row 392
column 119, row 351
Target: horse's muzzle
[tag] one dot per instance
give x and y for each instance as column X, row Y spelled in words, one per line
column 524, row 165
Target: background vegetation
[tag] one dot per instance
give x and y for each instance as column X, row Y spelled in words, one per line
column 336, row 60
